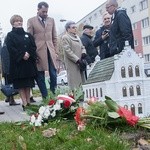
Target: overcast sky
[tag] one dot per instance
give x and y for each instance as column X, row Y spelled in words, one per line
column 59, row 9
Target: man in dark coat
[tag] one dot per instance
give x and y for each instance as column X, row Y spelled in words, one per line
column 102, row 37
column 121, row 28
column 86, row 39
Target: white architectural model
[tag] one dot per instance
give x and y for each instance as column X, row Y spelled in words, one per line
column 121, row 77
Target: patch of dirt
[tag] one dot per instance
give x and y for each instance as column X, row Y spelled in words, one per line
column 139, row 139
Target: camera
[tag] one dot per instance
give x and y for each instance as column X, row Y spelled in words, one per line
column 106, row 31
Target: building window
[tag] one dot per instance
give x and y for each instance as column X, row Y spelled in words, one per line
column 123, row 72
column 133, row 9
column 138, row 90
column 100, row 12
column 143, row 4
column 130, row 70
column 90, row 93
column 86, row 93
column 134, row 26
column 146, row 40
column 95, row 15
column 147, row 57
column 124, row 91
column 136, row 42
column 126, row 107
column 93, row 92
column 96, row 92
column 131, row 91
column 140, row 111
column 90, row 19
column 137, row 71
column 145, row 22
column 133, row 109
column 101, row 92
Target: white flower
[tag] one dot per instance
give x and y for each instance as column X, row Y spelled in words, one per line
column 39, row 118
column 32, row 120
column 60, row 101
column 26, row 35
column 53, row 114
column 37, row 123
column 46, row 113
column 41, row 110
column 57, row 106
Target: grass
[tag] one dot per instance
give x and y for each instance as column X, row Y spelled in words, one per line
column 25, row 137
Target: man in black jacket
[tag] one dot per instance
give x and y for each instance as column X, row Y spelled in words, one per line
column 121, row 28
column 102, row 37
column 86, row 39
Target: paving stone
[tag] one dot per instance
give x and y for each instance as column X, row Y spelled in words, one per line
column 14, row 113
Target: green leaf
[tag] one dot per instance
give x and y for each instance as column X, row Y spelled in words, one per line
column 106, row 97
column 113, row 115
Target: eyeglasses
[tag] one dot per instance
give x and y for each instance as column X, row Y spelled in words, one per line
column 73, row 27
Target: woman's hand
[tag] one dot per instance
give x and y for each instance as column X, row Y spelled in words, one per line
column 26, row 56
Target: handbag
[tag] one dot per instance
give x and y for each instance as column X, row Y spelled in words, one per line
column 8, row 90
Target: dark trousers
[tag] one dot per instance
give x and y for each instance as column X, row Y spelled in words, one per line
column 40, row 79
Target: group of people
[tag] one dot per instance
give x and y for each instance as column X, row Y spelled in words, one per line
column 33, row 52
column 110, row 39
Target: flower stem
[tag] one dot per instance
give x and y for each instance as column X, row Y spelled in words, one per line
column 90, row 116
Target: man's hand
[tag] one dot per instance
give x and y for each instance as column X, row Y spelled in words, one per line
column 105, row 36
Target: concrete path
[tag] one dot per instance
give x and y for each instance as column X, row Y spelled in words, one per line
column 14, row 113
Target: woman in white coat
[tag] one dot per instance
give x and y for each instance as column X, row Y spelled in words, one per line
column 74, row 52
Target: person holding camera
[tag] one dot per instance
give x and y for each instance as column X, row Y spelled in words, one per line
column 121, row 28
column 102, row 37
column 74, row 55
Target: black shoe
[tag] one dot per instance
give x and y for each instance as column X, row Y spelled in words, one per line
column 32, row 100
column 1, row 112
column 23, row 107
column 13, row 103
column 7, row 99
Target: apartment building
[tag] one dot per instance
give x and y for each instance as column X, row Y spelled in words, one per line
column 139, row 13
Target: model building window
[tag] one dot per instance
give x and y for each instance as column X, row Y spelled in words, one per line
column 101, row 92
column 96, row 92
column 86, row 93
column 140, row 111
column 123, row 72
column 126, row 107
column 130, row 70
column 138, row 90
column 131, row 91
column 124, row 91
column 137, row 71
column 133, row 109
column 90, row 92
column 93, row 92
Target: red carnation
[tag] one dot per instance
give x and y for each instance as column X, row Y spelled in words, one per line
column 67, row 104
column 127, row 114
column 79, row 120
column 51, row 102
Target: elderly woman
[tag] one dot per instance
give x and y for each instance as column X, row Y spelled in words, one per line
column 74, row 51
column 22, row 51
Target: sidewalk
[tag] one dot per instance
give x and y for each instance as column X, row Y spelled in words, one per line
column 14, row 113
